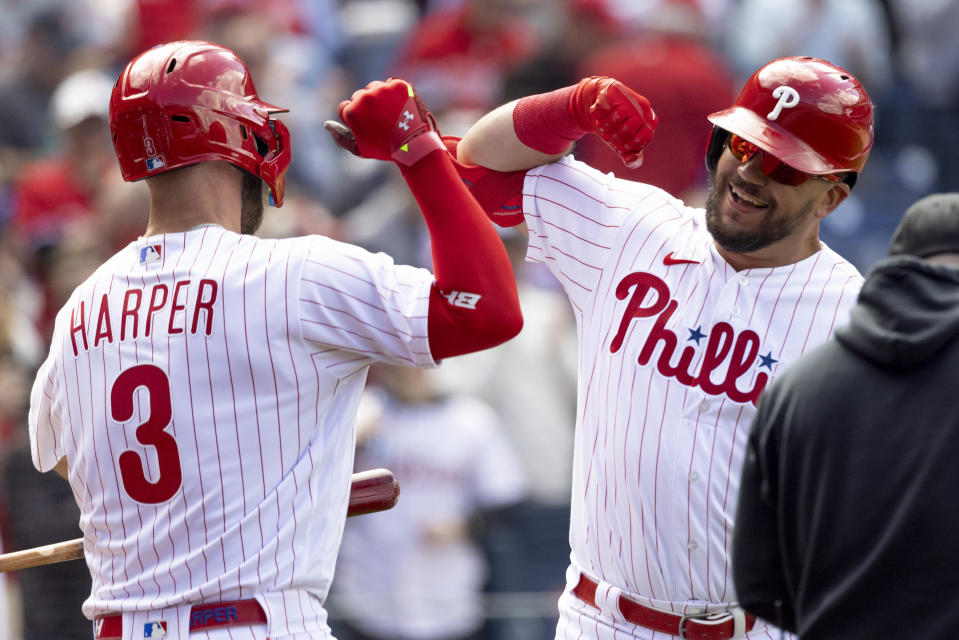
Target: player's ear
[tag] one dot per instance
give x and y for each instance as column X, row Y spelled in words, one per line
column 832, row 198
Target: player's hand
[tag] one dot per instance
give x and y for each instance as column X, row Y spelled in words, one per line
column 622, row 118
column 386, row 121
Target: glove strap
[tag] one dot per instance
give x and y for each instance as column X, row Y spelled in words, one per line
column 413, row 150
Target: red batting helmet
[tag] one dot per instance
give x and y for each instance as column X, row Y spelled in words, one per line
column 186, row 102
column 808, row 113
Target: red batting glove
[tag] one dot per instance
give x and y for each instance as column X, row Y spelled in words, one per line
column 387, row 121
column 622, row 118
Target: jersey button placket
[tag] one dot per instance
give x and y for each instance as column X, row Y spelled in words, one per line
column 729, row 298
column 737, row 309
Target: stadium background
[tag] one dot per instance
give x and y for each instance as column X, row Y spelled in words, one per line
column 63, row 207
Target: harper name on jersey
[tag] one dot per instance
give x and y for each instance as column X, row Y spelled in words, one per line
column 137, row 311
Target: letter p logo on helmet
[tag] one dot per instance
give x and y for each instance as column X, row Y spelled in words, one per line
column 788, row 98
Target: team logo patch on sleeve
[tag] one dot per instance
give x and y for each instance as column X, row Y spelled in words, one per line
column 154, row 629
column 155, row 163
column 151, row 253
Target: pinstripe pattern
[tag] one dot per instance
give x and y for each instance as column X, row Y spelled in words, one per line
column 265, row 346
column 672, row 359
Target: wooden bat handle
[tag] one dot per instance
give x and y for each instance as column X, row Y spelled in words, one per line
column 370, row 491
column 37, row 556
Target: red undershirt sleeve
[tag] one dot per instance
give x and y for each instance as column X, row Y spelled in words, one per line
column 473, row 304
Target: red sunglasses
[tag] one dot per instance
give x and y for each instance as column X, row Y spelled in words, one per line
column 773, row 167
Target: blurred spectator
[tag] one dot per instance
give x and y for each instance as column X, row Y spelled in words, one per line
column 670, row 62
column 14, row 390
column 9, row 625
column 30, row 76
column 416, row 571
column 55, row 191
column 458, row 57
column 926, row 102
column 293, row 50
column 41, row 510
column 58, row 199
column 388, row 220
column 570, row 30
column 853, row 34
column 374, row 30
column 20, row 305
column 530, row 382
column 638, row 13
column 928, row 48
column 38, row 509
column 153, row 22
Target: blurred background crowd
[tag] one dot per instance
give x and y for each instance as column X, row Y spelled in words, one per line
column 477, row 546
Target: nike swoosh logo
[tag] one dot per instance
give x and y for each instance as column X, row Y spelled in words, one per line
column 670, row 260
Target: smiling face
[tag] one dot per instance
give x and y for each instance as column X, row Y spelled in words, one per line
column 757, row 221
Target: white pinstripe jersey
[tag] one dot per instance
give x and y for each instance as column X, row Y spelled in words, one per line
column 675, row 347
column 203, row 387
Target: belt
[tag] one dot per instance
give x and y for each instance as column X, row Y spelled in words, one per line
column 700, row 626
column 212, row 615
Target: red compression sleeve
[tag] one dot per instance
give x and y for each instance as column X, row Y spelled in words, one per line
column 474, row 304
column 545, row 122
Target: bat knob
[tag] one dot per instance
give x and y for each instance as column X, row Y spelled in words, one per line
column 342, row 136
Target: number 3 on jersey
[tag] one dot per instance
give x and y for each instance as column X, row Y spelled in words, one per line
column 150, row 433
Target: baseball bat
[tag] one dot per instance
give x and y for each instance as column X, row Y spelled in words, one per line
column 370, row 491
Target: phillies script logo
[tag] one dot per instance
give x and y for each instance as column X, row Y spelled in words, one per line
column 724, row 346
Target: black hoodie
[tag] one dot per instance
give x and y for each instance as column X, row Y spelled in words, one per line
column 848, row 520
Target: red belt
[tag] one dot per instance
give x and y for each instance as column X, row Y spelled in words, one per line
column 717, row 626
column 212, row 615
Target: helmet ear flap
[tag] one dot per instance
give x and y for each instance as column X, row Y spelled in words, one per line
column 717, row 142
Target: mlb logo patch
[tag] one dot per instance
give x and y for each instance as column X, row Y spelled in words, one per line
column 155, row 163
column 151, row 253
column 154, row 629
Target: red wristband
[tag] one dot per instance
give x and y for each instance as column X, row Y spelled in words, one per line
column 545, row 121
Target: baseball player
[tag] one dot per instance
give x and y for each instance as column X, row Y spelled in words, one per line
column 202, row 384
column 684, row 316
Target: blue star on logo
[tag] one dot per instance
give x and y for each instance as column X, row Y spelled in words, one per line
column 767, row 361
column 695, row 334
